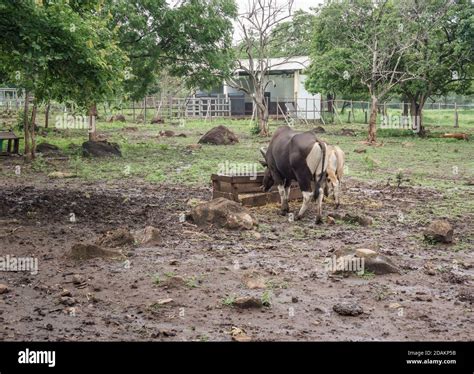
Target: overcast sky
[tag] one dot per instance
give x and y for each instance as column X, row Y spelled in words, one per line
column 298, row 4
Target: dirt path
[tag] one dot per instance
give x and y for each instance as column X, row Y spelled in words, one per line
column 203, row 269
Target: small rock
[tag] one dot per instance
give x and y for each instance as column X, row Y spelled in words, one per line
column 257, row 235
column 47, row 148
column 365, row 253
column 380, row 265
column 439, row 231
column 66, row 300
column 294, row 299
column 77, row 279
column 239, row 335
column 254, row 281
column 168, row 333
column 66, row 292
column 348, row 309
column 330, row 220
column 466, row 295
column 164, row 301
column 3, row 288
column 360, row 150
column 116, row 238
column 224, row 213
column 394, row 306
column 247, row 302
column 149, row 235
column 348, row 132
column 167, row 133
column 174, row 282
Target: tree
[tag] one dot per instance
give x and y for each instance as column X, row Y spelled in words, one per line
column 58, row 51
column 257, row 25
column 296, row 35
column 366, row 51
column 443, row 56
column 192, row 41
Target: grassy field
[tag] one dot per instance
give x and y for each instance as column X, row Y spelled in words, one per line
column 429, row 162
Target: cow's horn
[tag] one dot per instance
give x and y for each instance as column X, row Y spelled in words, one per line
column 263, row 151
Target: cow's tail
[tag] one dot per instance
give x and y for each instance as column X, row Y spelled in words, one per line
column 322, row 178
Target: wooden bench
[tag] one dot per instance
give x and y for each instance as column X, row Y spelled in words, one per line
column 246, row 189
column 11, row 139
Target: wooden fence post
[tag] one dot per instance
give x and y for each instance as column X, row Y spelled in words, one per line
column 456, row 117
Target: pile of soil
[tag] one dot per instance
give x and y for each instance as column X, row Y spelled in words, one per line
column 219, row 135
column 100, row 149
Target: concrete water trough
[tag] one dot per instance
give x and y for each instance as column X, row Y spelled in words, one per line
column 246, row 189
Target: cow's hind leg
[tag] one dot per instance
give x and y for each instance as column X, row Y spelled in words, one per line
column 303, row 176
column 335, row 189
column 284, row 200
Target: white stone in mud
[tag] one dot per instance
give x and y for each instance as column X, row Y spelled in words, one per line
column 223, row 213
column 365, row 253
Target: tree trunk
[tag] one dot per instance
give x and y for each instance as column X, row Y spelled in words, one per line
column 406, row 107
column 26, row 127
column 262, row 114
column 330, row 100
column 92, row 126
column 372, row 135
column 46, row 116
column 416, row 112
column 32, row 131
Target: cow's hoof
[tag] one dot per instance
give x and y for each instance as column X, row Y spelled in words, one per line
column 319, row 220
column 337, row 205
column 283, row 212
column 298, row 217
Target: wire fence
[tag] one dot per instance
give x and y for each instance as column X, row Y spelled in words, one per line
column 289, row 110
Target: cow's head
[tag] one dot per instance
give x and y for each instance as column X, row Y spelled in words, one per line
column 267, row 176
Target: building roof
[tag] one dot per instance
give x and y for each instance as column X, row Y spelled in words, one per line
column 281, row 64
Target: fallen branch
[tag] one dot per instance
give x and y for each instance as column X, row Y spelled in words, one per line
column 460, row 136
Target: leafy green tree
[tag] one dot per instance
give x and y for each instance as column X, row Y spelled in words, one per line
column 58, row 51
column 359, row 45
column 192, row 40
column 443, row 56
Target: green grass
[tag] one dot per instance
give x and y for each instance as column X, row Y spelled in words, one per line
column 228, row 300
column 266, row 298
column 429, row 162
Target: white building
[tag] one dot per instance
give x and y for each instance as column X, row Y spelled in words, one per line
column 285, row 91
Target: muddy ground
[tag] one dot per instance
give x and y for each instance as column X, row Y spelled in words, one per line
column 203, row 269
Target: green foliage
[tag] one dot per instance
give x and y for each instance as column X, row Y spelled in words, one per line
column 266, row 298
column 191, row 40
column 229, row 300
column 60, row 50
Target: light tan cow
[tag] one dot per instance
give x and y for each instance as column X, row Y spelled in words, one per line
column 334, row 172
